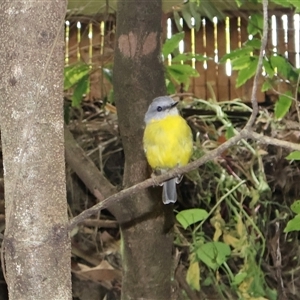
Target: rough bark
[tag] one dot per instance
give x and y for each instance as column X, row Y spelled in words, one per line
column 36, row 243
column 138, row 78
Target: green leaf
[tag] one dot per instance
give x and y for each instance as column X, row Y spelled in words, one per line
column 263, row 185
column 240, row 63
column 170, row 87
column 74, row 73
column 211, row 11
column 254, row 43
column 293, row 225
column 285, row 3
column 295, row 155
column 239, row 278
column 188, row 56
column 191, row 216
column 268, row 68
column 193, row 276
column 200, row 57
column 82, row 87
column 236, row 53
column 194, row 9
column 177, row 18
column 196, row 15
column 247, row 73
column 213, row 254
column 182, row 57
column 255, row 24
column 266, row 86
column 187, row 16
column 208, row 281
column 181, row 73
column 284, row 68
column 296, row 4
column 257, row 286
column 171, row 44
column 295, row 207
column 239, row 2
column 108, row 74
column 229, row 132
column 283, row 105
column 271, row 294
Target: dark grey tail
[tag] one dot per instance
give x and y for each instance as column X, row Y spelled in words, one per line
column 169, row 191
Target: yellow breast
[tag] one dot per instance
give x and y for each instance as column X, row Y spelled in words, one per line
column 168, row 142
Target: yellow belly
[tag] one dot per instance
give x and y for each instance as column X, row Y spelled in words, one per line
column 168, row 143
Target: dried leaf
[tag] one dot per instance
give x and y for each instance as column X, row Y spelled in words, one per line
column 103, row 272
column 193, row 276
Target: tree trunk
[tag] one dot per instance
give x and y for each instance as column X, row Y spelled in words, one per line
column 36, row 243
column 138, row 78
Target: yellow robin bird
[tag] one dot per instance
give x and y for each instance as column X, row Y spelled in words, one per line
column 168, row 141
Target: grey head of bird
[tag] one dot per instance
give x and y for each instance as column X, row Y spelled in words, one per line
column 160, row 108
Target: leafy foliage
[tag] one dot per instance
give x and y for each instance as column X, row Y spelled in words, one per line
column 234, row 235
column 77, row 77
column 191, row 216
column 295, row 155
column 171, row 44
column 180, row 70
column 277, row 69
column 283, row 105
column 255, row 24
column 293, row 224
column 213, row 254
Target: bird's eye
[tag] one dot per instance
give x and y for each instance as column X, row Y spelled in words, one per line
column 159, row 108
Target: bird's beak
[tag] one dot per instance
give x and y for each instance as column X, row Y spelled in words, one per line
column 174, row 104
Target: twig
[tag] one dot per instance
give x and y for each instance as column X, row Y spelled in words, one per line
column 264, row 41
column 100, row 223
column 272, row 141
column 277, row 261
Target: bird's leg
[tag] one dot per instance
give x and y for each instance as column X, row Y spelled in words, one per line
column 179, row 178
column 153, row 176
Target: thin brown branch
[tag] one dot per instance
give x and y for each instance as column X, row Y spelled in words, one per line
column 258, row 72
column 272, row 141
column 100, row 223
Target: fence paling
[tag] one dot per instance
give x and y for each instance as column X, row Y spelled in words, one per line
column 199, row 83
column 92, row 46
column 223, row 83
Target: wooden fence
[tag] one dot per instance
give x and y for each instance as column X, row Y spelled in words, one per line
column 93, row 42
